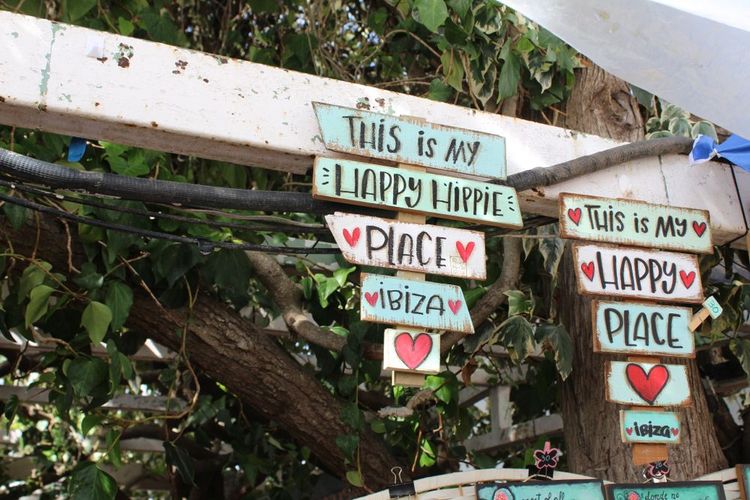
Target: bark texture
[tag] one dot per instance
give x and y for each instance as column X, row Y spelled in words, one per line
column 601, row 105
column 224, row 346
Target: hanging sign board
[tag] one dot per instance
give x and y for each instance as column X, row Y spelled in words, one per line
column 639, row 328
column 635, row 223
column 743, row 479
column 412, row 141
column 690, row 490
column 416, row 192
column 541, row 490
column 647, row 384
column 411, row 350
column 372, row 241
column 638, row 273
column 649, row 427
column 397, row 301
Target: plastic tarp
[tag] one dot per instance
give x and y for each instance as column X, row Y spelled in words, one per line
column 695, row 54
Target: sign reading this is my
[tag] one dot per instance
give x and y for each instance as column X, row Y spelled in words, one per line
column 408, row 140
column 635, row 223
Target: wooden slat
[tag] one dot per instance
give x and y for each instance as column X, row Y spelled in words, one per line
column 172, row 99
column 124, row 402
column 500, row 438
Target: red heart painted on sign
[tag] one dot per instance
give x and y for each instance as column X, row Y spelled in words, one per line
column 575, row 215
column 699, row 228
column 588, row 270
column 633, row 496
column 629, row 430
column 647, row 385
column 502, row 495
column 371, row 298
column 353, row 237
column 675, row 431
column 465, row 251
column 412, row 351
column 455, row 305
column 687, row 278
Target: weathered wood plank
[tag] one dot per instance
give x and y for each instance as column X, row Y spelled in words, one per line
column 636, row 223
column 647, row 384
column 214, row 108
column 636, row 273
column 372, row 241
column 689, row 490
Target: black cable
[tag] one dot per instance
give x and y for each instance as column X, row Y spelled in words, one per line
column 278, row 227
column 205, row 246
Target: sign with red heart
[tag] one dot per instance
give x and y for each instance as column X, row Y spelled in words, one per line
column 635, row 223
column 423, row 248
column 407, row 349
column 647, row 384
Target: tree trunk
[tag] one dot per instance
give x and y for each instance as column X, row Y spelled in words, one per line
column 252, row 365
column 601, row 104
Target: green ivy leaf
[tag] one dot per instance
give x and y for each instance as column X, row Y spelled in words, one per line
column 119, row 299
column 352, row 416
column 341, row 274
column 427, row 455
column 518, row 303
column 704, row 128
column 125, row 27
column 348, row 443
column 556, row 339
column 355, row 478
column 431, row 13
column 87, row 374
column 32, row 277
column 89, row 422
column 741, row 349
column 517, row 336
column 96, row 319
column 439, row 91
column 89, row 482
column 445, row 386
column 460, row 6
column 76, row 9
column 452, row 69
column 180, row 459
column 510, row 73
column 89, row 278
column 38, row 303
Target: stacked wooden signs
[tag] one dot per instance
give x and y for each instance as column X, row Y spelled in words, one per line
column 595, row 490
column 642, row 330
column 406, row 244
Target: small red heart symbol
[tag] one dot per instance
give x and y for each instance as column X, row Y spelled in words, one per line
column 455, row 305
column 647, row 385
column 575, row 215
column 687, row 278
column 464, row 251
column 675, row 431
column 588, row 270
column 699, row 228
column 633, row 496
column 371, row 298
column 629, row 430
column 502, row 495
column 353, row 237
column 413, row 351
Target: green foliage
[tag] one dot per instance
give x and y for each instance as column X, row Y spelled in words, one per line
column 96, row 320
column 89, row 482
column 671, row 121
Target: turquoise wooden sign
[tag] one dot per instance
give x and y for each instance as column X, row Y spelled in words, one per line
column 647, row 384
column 541, row 490
column 743, row 479
column 409, row 140
column 639, row 328
column 649, row 427
column 692, row 490
column 417, row 192
column 396, row 301
column 634, row 223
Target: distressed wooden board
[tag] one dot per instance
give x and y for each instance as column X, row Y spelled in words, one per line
column 689, row 490
column 541, row 490
column 407, row 379
column 641, row 328
column 372, row 241
column 638, row 426
column 407, row 349
column 637, row 223
column 411, row 140
column 416, row 192
column 743, row 480
column 646, row 453
column 637, row 273
column 647, row 384
column 421, row 304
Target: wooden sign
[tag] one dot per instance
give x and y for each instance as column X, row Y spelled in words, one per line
column 372, row 241
column 651, row 427
column 743, row 479
column 411, row 350
column 690, row 490
column 639, row 328
column 416, row 192
column 396, row 301
column 541, row 490
column 647, row 384
column 635, row 223
column 411, row 140
column 636, row 273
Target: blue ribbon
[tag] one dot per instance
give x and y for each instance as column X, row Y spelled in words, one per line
column 735, row 149
column 76, row 149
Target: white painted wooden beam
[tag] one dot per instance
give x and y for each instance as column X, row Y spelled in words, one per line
column 124, row 402
column 524, row 431
column 160, row 97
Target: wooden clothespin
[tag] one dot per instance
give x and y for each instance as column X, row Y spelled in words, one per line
column 711, row 308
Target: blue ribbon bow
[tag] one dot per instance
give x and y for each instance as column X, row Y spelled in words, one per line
column 735, row 149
